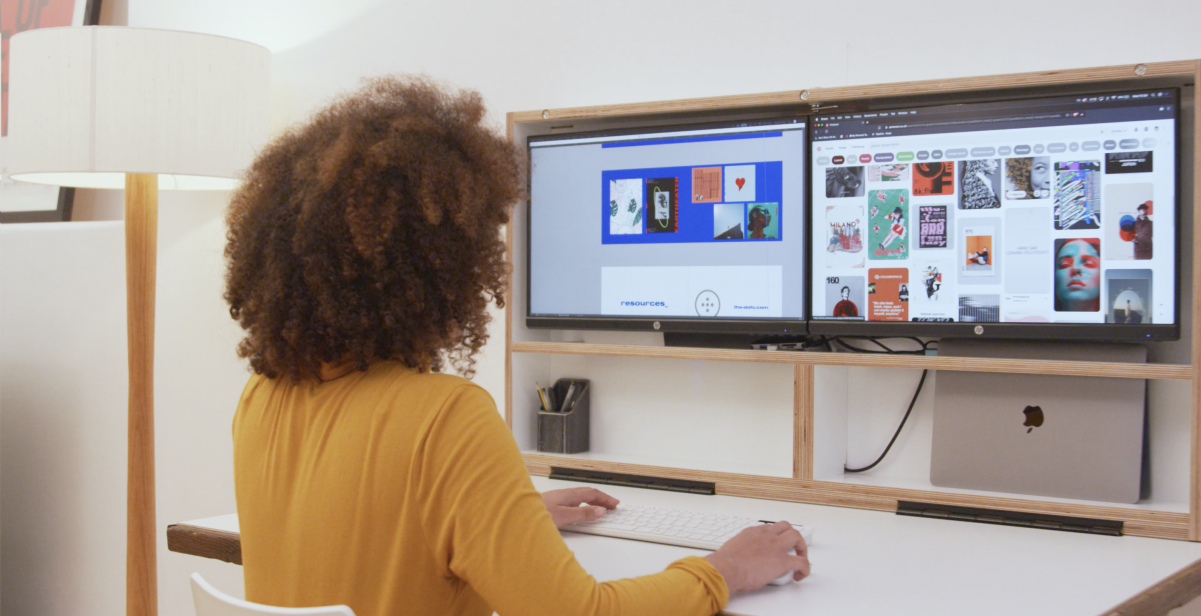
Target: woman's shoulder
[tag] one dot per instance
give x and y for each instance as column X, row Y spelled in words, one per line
column 435, row 385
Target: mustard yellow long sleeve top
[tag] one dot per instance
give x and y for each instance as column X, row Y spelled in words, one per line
column 398, row 492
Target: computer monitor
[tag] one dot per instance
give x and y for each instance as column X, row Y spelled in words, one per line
column 696, row 228
column 1048, row 217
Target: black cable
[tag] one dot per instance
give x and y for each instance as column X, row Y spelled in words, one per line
column 895, row 434
column 887, row 350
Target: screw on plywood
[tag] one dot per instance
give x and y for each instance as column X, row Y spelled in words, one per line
column 1140, row 70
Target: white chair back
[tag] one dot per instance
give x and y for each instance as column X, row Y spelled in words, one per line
column 212, row 602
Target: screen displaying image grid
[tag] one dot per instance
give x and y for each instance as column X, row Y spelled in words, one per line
column 1057, row 210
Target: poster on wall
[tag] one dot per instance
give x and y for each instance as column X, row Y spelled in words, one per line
column 21, row 202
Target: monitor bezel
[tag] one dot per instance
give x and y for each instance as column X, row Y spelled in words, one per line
column 783, row 326
column 1107, row 332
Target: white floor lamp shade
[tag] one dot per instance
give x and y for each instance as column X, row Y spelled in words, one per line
column 88, row 105
column 110, row 107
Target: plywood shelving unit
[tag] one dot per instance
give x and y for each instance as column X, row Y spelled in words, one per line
column 1152, row 519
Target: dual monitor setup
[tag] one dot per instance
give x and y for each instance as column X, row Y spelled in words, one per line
column 1026, row 218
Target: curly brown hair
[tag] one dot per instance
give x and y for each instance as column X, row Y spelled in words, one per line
column 373, row 233
column 1017, row 171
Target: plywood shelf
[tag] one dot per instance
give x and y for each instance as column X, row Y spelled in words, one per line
column 816, row 97
column 1138, row 521
column 963, row 364
column 578, row 460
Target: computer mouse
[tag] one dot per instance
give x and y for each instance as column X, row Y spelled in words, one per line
column 786, row 578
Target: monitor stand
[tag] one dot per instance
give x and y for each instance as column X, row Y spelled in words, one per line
column 711, row 340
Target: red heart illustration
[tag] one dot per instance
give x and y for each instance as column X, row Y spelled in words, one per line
column 740, row 182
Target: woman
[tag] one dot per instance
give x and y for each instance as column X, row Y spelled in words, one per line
column 364, row 249
column 1040, row 177
column 1078, row 275
column 758, row 220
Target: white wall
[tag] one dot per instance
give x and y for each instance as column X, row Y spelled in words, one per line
column 61, row 344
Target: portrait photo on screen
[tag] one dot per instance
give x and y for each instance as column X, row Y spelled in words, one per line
column 1128, row 232
column 763, row 221
column 844, row 182
column 980, row 184
column 1078, row 274
column 844, row 297
column 1028, row 178
column 933, row 179
column 1128, row 296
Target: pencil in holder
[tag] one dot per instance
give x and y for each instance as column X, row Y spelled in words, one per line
column 565, row 429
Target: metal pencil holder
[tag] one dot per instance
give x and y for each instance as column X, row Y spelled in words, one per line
column 566, row 431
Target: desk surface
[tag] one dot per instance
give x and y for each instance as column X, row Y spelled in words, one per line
column 868, row 562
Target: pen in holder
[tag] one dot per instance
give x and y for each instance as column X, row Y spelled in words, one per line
column 564, row 427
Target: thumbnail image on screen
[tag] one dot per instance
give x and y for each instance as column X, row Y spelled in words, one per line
column 1048, row 210
column 700, row 222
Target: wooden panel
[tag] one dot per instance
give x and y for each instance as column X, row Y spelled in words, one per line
column 962, row 364
column 1195, row 452
column 658, row 107
column 1013, row 80
column 819, row 95
column 1140, row 522
column 802, row 433
column 207, row 542
column 1170, row 593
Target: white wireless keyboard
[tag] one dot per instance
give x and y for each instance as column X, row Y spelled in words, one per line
column 689, row 529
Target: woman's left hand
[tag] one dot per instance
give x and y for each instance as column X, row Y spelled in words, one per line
column 564, row 505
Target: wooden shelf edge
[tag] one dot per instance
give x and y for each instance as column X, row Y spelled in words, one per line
column 963, row 364
column 1138, row 522
column 1166, row 595
column 819, row 95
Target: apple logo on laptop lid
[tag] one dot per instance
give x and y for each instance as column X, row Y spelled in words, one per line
column 1034, row 417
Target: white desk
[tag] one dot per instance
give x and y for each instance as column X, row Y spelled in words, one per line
column 869, row 562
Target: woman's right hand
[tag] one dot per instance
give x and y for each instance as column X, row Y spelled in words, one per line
column 759, row 554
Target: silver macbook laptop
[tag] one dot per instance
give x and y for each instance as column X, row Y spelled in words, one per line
column 1062, row 436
